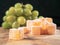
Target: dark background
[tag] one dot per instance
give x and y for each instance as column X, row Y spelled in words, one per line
column 46, row 8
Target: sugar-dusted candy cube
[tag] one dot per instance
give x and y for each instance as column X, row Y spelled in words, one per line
column 51, row 28
column 35, row 30
column 15, row 34
column 49, row 19
column 26, row 30
column 43, row 29
column 29, row 23
column 44, row 32
column 36, row 23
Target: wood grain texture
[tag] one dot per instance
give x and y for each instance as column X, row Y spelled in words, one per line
column 40, row 40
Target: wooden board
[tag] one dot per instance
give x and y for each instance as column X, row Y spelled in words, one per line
column 41, row 40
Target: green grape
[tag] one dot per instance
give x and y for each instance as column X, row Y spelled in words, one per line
column 7, row 13
column 4, row 18
column 35, row 13
column 34, row 18
column 21, row 20
column 10, row 23
column 23, row 25
column 11, row 11
column 27, row 12
column 6, row 25
column 10, row 18
column 40, row 16
column 28, row 17
column 29, row 6
column 16, row 16
column 18, row 5
column 19, row 11
column 15, row 24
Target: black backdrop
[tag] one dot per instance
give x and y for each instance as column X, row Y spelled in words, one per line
column 46, row 8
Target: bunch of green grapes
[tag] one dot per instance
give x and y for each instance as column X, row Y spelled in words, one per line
column 18, row 14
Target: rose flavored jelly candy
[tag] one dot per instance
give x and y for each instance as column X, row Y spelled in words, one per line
column 49, row 19
column 29, row 23
column 36, row 23
column 35, row 30
column 26, row 30
column 15, row 34
column 22, row 32
column 43, row 29
column 51, row 29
